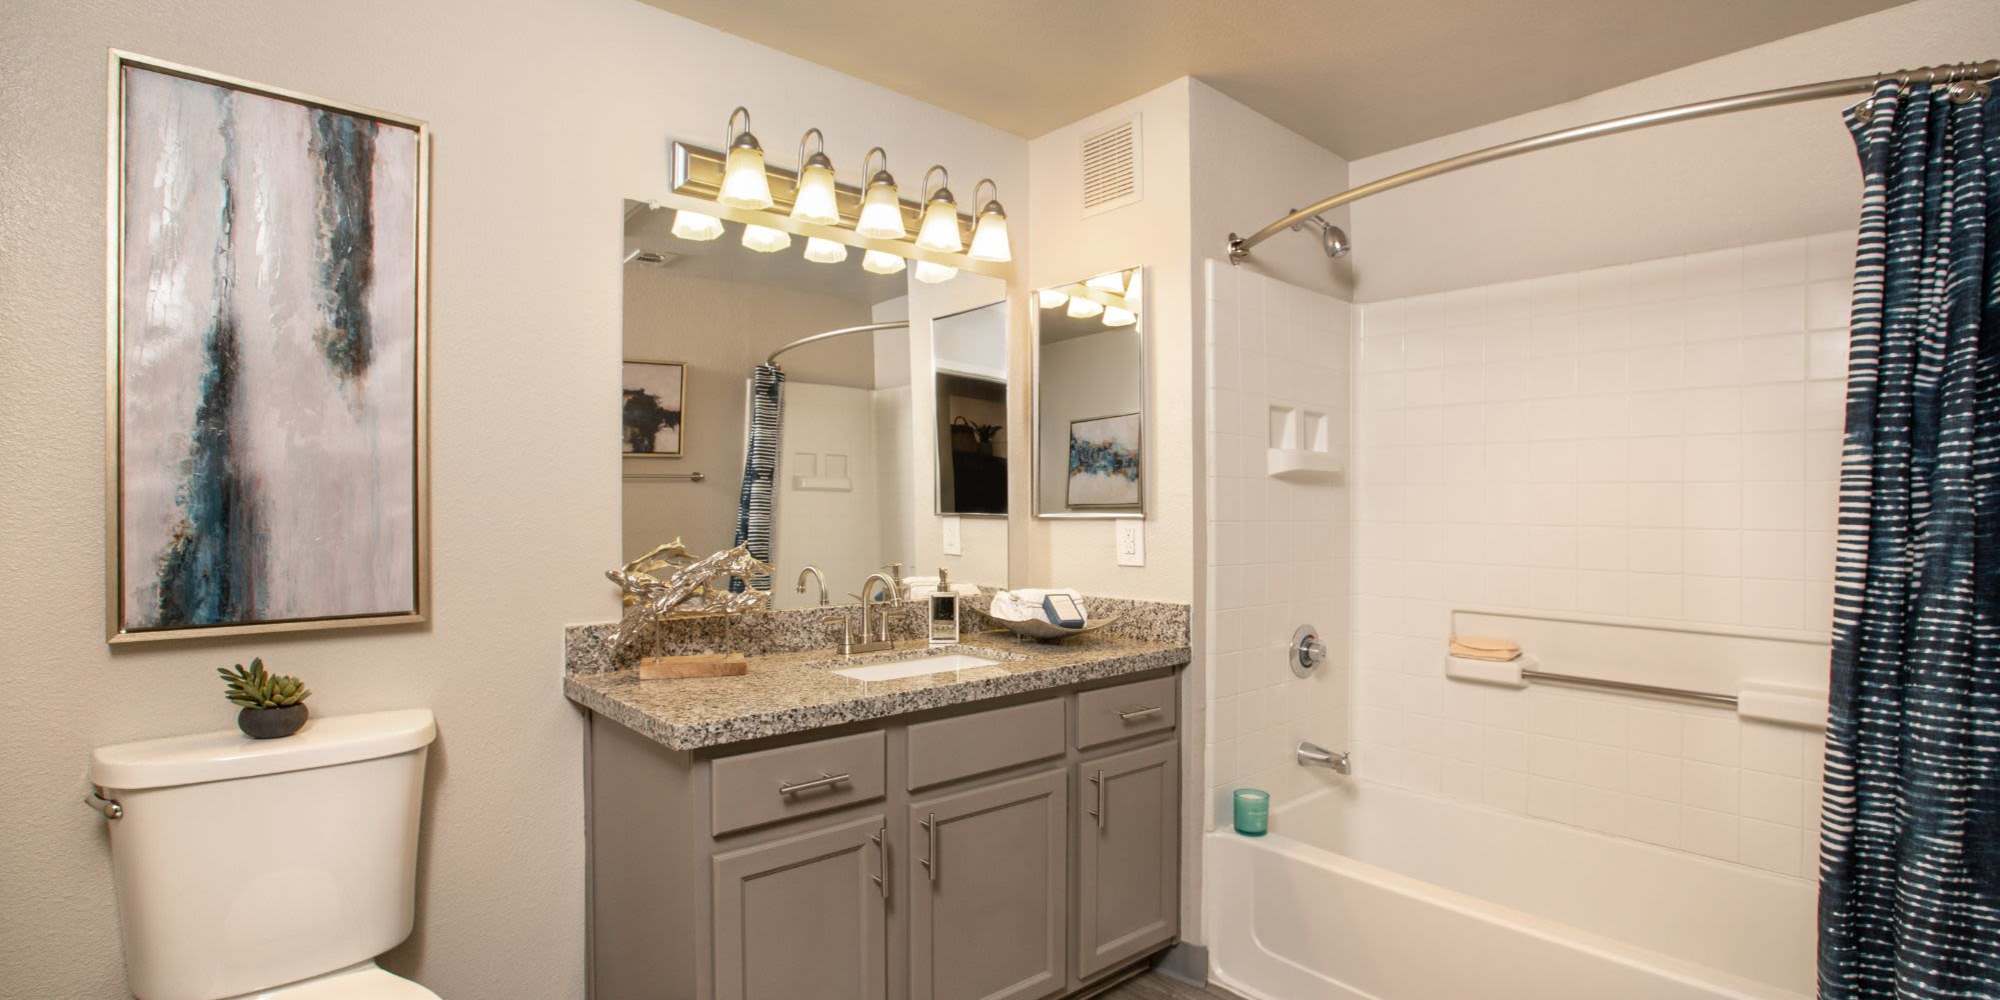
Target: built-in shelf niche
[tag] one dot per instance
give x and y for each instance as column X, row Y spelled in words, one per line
column 1301, row 445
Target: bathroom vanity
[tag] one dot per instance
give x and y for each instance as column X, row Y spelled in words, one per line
column 1008, row 831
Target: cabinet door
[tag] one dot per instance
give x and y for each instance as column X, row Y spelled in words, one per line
column 988, row 891
column 804, row 916
column 1128, row 856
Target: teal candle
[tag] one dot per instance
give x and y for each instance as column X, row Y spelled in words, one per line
column 1253, row 812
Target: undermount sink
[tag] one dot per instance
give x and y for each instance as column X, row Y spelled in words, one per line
column 915, row 667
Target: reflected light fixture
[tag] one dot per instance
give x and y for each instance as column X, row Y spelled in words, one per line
column 1051, row 298
column 1132, row 290
column 1113, row 282
column 764, row 239
column 1116, row 316
column 881, row 207
column 877, row 262
column 934, row 274
column 821, row 251
column 1081, row 307
column 939, row 229
column 989, row 231
column 696, row 226
column 814, row 199
column 744, row 184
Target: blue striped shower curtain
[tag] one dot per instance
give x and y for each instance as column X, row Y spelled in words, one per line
column 760, row 467
column 1910, row 841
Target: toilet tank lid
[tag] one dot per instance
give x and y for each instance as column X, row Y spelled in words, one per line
column 226, row 754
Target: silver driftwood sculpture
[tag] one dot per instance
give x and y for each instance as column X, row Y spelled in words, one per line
column 669, row 582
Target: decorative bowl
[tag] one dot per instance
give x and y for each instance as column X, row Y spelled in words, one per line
column 1035, row 628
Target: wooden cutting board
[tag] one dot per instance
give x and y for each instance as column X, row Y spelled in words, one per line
column 657, row 668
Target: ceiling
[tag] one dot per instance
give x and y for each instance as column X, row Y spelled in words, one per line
column 1320, row 67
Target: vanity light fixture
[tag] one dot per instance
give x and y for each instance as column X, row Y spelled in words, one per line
column 764, row 239
column 1051, row 298
column 881, row 207
column 821, row 251
column 744, row 184
column 1113, row 282
column 939, row 229
column 934, row 274
column 877, row 262
column 814, row 199
column 989, row 232
column 1082, row 307
column 696, row 226
column 1118, row 316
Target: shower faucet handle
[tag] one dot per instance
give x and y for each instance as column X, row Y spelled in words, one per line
column 1308, row 651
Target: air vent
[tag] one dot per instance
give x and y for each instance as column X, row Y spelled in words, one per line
column 1111, row 167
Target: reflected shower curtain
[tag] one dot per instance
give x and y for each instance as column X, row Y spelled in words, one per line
column 1910, row 843
column 760, row 467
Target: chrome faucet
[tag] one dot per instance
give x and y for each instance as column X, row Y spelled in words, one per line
column 874, row 634
column 814, row 573
column 1313, row 755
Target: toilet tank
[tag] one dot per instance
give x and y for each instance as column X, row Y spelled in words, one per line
column 246, row 864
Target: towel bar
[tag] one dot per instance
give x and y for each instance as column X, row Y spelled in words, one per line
column 1706, row 697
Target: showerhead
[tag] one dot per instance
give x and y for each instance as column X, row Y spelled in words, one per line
column 1332, row 238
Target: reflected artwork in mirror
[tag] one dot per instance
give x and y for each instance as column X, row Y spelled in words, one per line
column 1090, row 397
column 830, row 404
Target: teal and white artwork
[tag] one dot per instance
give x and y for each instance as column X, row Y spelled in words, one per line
column 1104, row 462
column 268, row 328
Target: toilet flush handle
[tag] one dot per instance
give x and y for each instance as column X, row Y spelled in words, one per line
column 109, row 807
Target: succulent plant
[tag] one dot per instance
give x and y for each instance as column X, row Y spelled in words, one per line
column 259, row 688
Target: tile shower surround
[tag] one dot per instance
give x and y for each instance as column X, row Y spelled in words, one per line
column 1658, row 443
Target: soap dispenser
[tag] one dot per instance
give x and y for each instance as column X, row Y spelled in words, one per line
column 944, row 612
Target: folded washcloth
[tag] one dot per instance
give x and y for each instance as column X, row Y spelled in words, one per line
column 1025, row 604
column 1478, row 647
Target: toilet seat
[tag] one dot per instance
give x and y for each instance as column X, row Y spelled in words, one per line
column 366, row 981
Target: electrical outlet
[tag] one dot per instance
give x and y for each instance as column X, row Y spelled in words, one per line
column 954, row 540
column 1131, row 540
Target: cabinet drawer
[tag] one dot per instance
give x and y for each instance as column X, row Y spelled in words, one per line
column 1115, row 713
column 786, row 782
column 950, row 749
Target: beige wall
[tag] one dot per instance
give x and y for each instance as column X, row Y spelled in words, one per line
column 721, row 329
column 547, row 113
column 1745, row 178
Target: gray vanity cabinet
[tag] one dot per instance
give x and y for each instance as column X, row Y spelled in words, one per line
column 988, row 891
column 806, row 916
column 1128, row 856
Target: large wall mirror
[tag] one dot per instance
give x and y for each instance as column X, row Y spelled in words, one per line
column 1090, row 397
column 862, row 442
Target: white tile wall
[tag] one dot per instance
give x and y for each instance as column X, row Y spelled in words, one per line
column 1277, row 551
column 1657, row 441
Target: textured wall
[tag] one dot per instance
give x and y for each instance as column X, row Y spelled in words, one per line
column 547, row 113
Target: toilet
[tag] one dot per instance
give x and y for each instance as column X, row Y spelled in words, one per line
column 272, row 869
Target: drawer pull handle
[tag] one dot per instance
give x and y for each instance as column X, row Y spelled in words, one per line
column 1135, row 714
column 929, row 860
column 824, row 780
column 881, row 839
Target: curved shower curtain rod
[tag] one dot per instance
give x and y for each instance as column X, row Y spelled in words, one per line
column 1239, row 246
column 830, row 334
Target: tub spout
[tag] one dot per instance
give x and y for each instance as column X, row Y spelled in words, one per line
column 1313, row 755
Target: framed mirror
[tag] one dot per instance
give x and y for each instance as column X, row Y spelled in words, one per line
column 1090, row 397
column 848, row 472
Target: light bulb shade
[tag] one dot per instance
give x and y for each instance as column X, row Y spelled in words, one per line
column 939, row 230
column 877, row 262
column 934, row 274
column 1113, row 282
column 821, row 251
column 989, row 237
column 764, row 239
column 1133, row 292
column 1052, row 298
column 744, row 184
column 815, row 202
column 1083, row 308
column 881, row 213
column 1115, row 316
column 696, row 226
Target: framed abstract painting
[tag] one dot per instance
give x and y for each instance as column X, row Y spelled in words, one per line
column 267, row 410
column 1104, row 462
column 655, row 398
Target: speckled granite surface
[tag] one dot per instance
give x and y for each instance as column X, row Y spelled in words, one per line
column 798, row 691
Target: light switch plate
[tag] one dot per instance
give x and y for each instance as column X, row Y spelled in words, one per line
column 1131, row 539
column 954, row 541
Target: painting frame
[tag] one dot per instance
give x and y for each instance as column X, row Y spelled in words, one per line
column 680, row 427
column 117, row 631
column 1139, row 459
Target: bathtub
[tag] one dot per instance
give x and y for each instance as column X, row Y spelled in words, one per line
column 1370, row 891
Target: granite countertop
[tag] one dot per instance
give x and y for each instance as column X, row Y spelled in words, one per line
column 793, row 692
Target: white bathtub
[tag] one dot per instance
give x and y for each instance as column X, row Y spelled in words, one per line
column 1369, row 891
